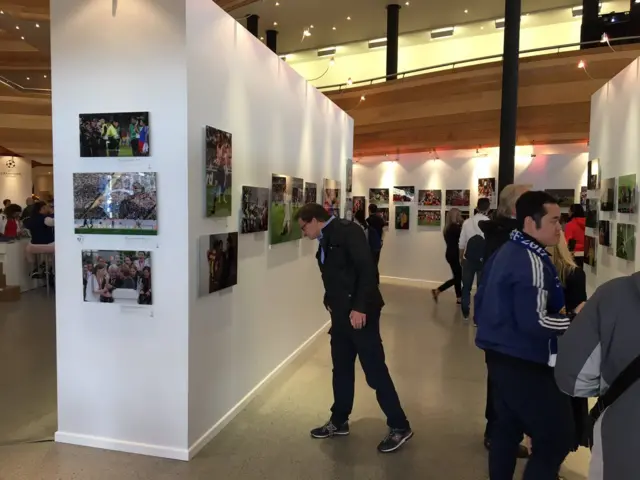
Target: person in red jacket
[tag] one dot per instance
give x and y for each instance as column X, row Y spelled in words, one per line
column 574, row 233
column 10, row 221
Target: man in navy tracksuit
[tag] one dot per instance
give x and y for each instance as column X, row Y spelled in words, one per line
column 520, row 313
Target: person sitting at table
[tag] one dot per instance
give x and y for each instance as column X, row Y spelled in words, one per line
column 40, row 224
column 10, row 221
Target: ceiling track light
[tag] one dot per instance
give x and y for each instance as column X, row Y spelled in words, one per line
column 378, row 42
column 327, row 52
column 442, row 33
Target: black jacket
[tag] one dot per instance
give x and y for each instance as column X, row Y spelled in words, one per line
column 496, row 233
column 575, row 289
column 348, row 271
column 452, row 239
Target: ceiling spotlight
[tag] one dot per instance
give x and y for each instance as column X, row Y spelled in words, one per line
column 349, row 81
column 28, row 78
column 277, row 4
column 261, row 38
column 275, row 24
column 482, row 28
column 17, row 27
column 37, row 25
column 581, row 64
column 363, row 98
column 310, row 26
column 22, row 38
column 1, row 12
column 45, row 76
column 348, row 18
column 466, row 11
column 306, row 33
column 407, row 3
column 605, row 37
column 334, row 28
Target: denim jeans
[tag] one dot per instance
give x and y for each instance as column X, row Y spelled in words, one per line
column 470, row 269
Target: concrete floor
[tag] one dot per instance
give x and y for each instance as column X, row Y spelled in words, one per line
column 438, row 372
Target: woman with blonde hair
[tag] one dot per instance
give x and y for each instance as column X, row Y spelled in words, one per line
column 572, row 277
column 451, row 232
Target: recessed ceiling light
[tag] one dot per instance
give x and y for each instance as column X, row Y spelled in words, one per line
column 45, row 76
column 334, row 28
column 348, row 18
column 1, row 12
column 22, row 38
column 277, row 4
column 275, row 24
column 466, row 11
column 17, row 27
column 310, row 26
column 28, row 78
column 261, row 38
column 481, row 28
column 407, row 3
column 37, row 25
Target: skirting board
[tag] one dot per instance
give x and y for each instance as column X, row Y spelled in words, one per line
column 178, row 453
column 231, row 414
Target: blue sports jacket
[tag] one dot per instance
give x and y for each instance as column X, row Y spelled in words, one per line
column 517, row 305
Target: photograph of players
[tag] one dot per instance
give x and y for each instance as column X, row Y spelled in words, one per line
column 384, row 213
column 379, row 196
column 593, row 174
column 583, row 196
column 349, row 176
column 255, row 209
column 627, row 202
column 402, row 218
column 116, row 276
column 359, row 204
column 590, row 251
column 487, row 189
column 287, row 195
column 607, row 195
column 604, row 233
column 458, row 198
column 310, row 193
column 219, row 262
column 114, row 134
column 430, row 198
column 565, row 196
column 219, row 159
column 331, row 196
column 626, row 241
column 591, row 220
column 115, row 203
column 404, row 194
column 429, row 218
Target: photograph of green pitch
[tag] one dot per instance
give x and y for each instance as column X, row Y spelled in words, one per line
column 219, row 156
column 287, row 196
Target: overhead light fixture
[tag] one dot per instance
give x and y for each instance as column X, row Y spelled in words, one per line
column 275, row 24
column 306, row 33
column 333, row 28
column 261, row 38
column 28, row 78
column 466, row 11
column 482, row 27
column 22, row 38
column 581, row 64
column 363, row 98
column 378, row 42
column 348, row 18
column 310, row 26
column 37, row 25
column 442, row 33
column 1, row 12
column 327, row 52
column 409, row 3
column 45, row 76
column 349, row 81
column 277, row 4
column 17, row 27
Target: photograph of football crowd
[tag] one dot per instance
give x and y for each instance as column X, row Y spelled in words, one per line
column 255, row 209
column 114, row 134
column 379, row 196
column 625, row 242
column 358, row 204
column 429, row 218
column 116, row 276
column 430, row 198
column 115, row 203
column 404, row 194
column 287, row 195
column 458, row 198
column 219, row 159
column 219, row 262
column 310, row 193
column 487, row 189
column 565, row 196
column 384, row 213
column 627, row 194
column 402, row 218
column 331, row 196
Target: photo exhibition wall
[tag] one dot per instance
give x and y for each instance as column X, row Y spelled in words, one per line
column 186, row 228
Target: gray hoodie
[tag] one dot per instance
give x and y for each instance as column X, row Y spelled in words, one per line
column 600, row 343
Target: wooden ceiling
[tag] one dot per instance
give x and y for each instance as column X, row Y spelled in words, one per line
column 461, row 109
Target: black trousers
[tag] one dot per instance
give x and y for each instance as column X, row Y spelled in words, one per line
column 348, row 343
column 456, row 281
column 527, row 400
column 376, row 259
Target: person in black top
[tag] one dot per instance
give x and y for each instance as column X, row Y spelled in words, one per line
column 451, row 233
column 40, row 224
column 376, row 224
column 353, row 299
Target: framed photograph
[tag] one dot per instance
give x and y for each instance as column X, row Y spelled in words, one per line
column 458, row 198
column 402, row 218
column 124, row 134
column 359, row 204
column 604, row 233
column 627, row 201
column 487, row 189
column 626, row 241
column 591, row 220
column 565, row 196
column 379, row 196
column 218, row 262
column 429, row 218
column 607, row 195
column 115, row 203
column 590, row 251
column 310, row 192
column 583, row 196
column 349, row 176
column 116, row 276
column 404, row 194
column 219, row 156
column 255, row 210
column 384, row 213
column 593, row 174
column 286, row 199
column 429, row 198
column 331, row 196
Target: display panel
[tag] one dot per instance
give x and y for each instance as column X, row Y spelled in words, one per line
column 218, row 172
column 359, row 204
column 607, row 195
column 402, row 218
column 592, row 213
column 255, row 210
column 604, row 233
column 124, row 134
column 331, row 196
column 590, row 250
column 626, row 241
column 487, row 189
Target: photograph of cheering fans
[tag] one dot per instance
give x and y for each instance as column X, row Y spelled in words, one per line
column 116, row 276
column 115, row 203
column 565, row 196
column 430, row 198
column 590, row 251
column 487, row 189
column 402, row 218
column 331, row 196
column 287, row 195
column 255, row 209
column 591, row 220
column 384, row 213
column 218, row 262
column 379, row 196
column 358, row 204
column 604, row 233
column 627, row 194
column 404, row 194
column 219, row 157
column 310, row 193
column 114, row 134
column 429, row 218
column 458, row 198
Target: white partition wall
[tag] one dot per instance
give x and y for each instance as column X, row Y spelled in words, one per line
column 162, row 380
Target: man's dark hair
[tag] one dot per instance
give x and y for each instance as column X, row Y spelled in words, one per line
column 312, row 211
column 373, row 208
column 38, row 206
column 12, row 209
column 532, row 204
column 577, row 211
column 6, row 202
column 484, row 205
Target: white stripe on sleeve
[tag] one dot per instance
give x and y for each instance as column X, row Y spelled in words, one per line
column 551, row 323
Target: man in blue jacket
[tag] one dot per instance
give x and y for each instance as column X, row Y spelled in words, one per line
column 520, row 313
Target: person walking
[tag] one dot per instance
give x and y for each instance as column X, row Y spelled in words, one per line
column 574, row 233
column 451, row 232
column 520, row 310
column 354, row 302
column 376, row 232
column 472, row 245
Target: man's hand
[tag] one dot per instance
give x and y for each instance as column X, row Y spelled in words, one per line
column 579, row 308
column 358, row 320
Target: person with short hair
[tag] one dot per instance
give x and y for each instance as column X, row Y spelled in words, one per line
column 520, row 310
column 451, row 233
column 354, row 302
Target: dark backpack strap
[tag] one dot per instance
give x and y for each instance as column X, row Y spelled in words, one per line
column 626, row 379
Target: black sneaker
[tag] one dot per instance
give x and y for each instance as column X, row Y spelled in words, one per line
column 329, row 430
column 394, row 440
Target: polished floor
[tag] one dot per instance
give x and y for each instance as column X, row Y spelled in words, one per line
column 438, row 372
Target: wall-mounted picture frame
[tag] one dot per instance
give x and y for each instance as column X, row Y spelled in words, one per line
column 487, row 189
column 218, row 172
column 359, row 204
column 379, row 196
column 458, row 198
column 627, row 194
column 403, row 215
column 384, row 214
column 591, row 220
column 404, row 194
column 429, row 218
column 119, row 134
column 429, row 198
column 626, row 241
column 218, row 262
column 607, row 195
column 590, row 250
column 564, row 196
column 604, row 233
column 310, row 192
column 287, row 195
column 255, row 210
